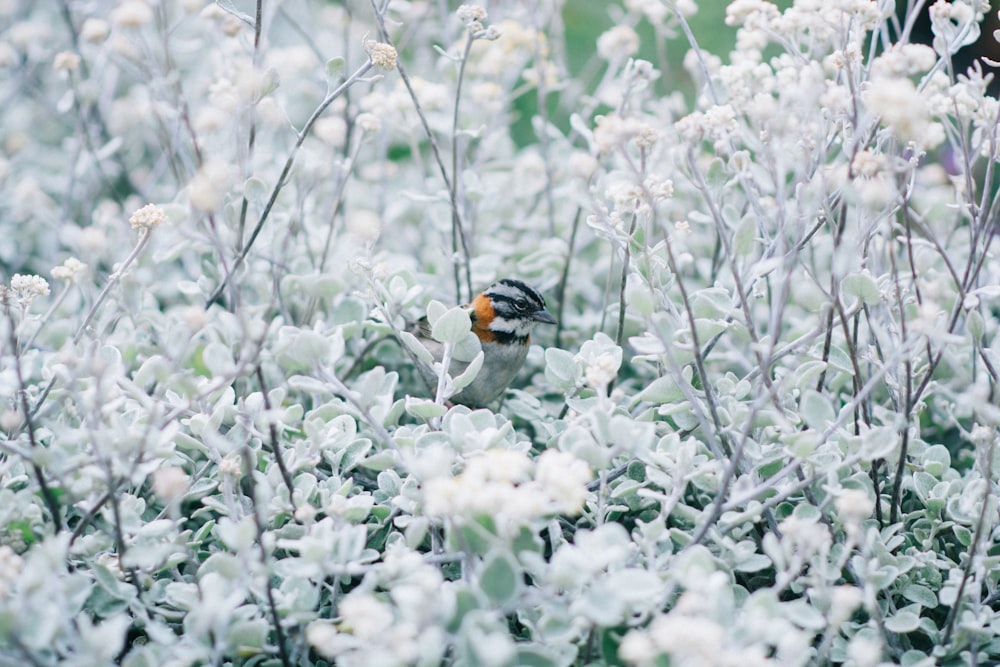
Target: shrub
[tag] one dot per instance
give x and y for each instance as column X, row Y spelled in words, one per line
column 763, row 431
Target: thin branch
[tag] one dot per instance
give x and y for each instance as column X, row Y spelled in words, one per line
column 275, row 444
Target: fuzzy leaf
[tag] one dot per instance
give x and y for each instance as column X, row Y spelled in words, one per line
column 862, row 286
column 816, row 410
column 470, row 373
column 451, row 326
column 499, row 578
column 561, row 369
column 903, row 622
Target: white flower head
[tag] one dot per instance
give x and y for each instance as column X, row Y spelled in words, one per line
column 469, row 13
column 210, row 184
column 368, row 122
column 170, row 483
column 10, row 420
column 231, row 466
column 600, row 372
column 613, row 131
column 618, row 44
column 383, row 55
column 72, row 270
column 323, row 636
column 864, row 650
column 306, row 513
column 843, row 601
column 25, row 288
column 804, row 537
column 364, row 224
column 564, row 478
column 94, row 30
column 66, row 61
column 147, row 217
column 903, row 109
column 853, row 507
column 132, row 14
column 655, row 11
column 365, row 615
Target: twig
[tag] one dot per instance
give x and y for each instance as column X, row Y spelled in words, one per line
column 561, row 289
column 262, row 550
column 275, row 445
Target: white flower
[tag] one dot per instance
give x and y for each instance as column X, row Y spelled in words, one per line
column 323, row 636
column 903, row 109
column 488, row 94
column 365, row 616
column 306, row 513
column 655, row 11
column 843, row 601
column 94, row 30
column 804, row 537
column 637, row 647
column 383, row 55
column 904, row 60
column 368, row 122
column 688, row 638
column 469, row 13
column 853, row 507
column 71, row 270
column 564, row 478
column 66, row 61
column 491, row 34
column 332, row 130
column 686, row 8
column 231, row 466
column 170, row 483
column 602, row 371
column 499, row 465
column 583, row 165
column 618, row 44
column 193, row 317
column 26, row 288
column 147, row 217
column 867, row 163
column 10, row 420
column 613, row 131
column 132, row 14
column 865, row 651
column 210, row 184
column 364, row 224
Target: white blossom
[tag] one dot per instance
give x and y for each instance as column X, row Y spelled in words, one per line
column 147, row 217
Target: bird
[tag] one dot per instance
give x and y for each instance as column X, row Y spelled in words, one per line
column 502, row 316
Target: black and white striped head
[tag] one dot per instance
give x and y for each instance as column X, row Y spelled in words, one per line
column 508, row 310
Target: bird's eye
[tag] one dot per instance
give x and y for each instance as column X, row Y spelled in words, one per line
column 521, row 304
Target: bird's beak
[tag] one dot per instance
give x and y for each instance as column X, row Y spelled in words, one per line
column 543, row 316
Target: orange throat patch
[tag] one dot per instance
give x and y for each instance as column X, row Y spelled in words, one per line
column 482, row 316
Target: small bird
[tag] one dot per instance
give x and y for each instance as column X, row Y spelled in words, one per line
column 502, row 319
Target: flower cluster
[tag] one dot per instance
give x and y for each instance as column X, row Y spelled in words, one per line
column 508, row 486
column 147, row 217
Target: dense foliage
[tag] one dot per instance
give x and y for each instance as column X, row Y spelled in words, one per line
column 763, row 432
